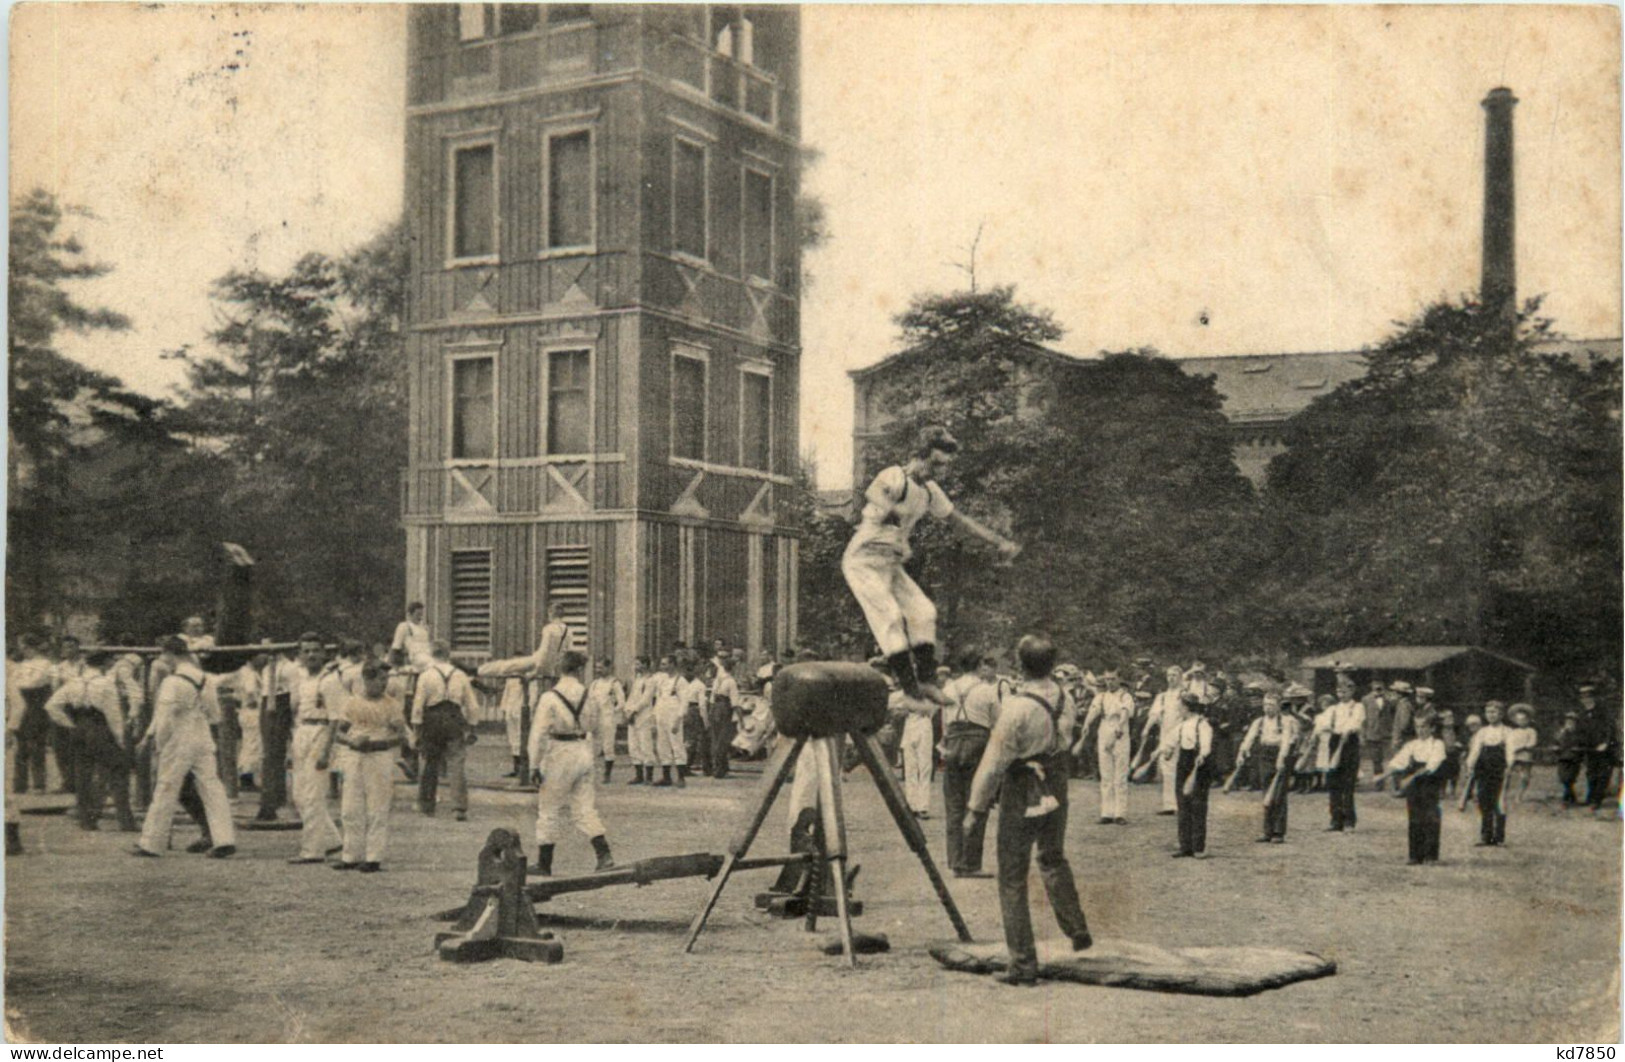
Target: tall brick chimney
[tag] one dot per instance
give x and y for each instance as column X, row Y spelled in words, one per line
column 1498, row 286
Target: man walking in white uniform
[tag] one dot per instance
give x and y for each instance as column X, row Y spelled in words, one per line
column 180, row 733
column 561, row 747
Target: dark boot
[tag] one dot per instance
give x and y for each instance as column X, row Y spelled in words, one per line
column 601, row 847
column 637, row 775
column 925, row 669
column 544, row 861
column 682, row 777
column 609, row 765
column 515, row 772
column 665, row 776
column 902, row 669
column 14, row 838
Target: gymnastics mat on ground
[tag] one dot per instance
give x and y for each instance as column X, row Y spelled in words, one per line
column 1241, row 971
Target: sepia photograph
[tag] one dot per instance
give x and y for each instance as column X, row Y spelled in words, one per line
column 823, row 523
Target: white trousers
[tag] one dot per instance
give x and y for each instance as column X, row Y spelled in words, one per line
column 918, row 750
column 1114, row 765
column 900, row 615
column 317, row 833
column 249, row 750
column 513, row 720
column 181, row 756
column 369, row 786
column 640, row 738
column 569, row 787
column 607, row 725
column 804, row 786
column 1165, row 770
column 669, row 747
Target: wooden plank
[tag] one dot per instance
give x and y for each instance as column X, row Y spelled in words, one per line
column 1233, row 971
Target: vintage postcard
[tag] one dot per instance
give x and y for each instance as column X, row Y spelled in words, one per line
column 689, row 523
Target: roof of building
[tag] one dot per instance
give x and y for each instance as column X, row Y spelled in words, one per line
column 1273, row 387
column 1038, row 350
column 1401, row 657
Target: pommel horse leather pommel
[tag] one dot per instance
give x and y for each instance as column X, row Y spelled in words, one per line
column 827, row 698
column 498, row 921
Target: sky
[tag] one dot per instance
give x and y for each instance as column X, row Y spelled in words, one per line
column 1200, row 179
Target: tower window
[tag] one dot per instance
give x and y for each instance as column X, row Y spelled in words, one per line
column 474, row 21
column 569, row 190
column 474, row 202
column 758, row 225
column 756, row 420
column 518, row 18
column 688, row 407
column 473, row 409
column 568, row 402
column 689, row 205
column 557, row 13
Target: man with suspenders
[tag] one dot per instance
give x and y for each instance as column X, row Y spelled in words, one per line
column 442, row 716
column 1026, row 766
column 902, row 619
column 180, row 730
column 555, row 638
column 968, row 724
column 561, row 749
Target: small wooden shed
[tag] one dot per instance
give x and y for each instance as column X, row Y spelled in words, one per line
column 1463, row 677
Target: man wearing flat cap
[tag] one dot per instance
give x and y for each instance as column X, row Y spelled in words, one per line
column 1379, row 722
column 1403, row 727
column 1113, row 709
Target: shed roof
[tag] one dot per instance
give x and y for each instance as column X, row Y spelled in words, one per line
column 1401, row 657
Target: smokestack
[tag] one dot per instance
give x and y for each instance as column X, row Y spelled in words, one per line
column 1498, row 286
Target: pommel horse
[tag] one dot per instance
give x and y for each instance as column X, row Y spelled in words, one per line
column 823, row 704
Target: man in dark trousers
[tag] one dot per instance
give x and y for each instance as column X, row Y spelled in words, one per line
column 1597, row 731
column 1374, row 735
column 277, row 683
column 968, row 724
column 1026, row 765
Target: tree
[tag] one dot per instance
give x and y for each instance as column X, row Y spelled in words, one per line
column 1139, row 524
column 1466, row 490
column 305, row 396
column 56, row 408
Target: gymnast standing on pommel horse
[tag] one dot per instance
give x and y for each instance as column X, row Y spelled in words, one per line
column 903, row 619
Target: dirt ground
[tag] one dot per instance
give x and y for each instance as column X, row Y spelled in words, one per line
column 1520, row 944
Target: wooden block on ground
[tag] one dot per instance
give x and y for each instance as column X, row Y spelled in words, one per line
column 862, row 944
column 454, row 947
column 796, row 907
column 1238, row 971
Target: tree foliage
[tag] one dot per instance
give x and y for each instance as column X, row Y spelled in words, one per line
column 1466, row 490
column 304, row 395
column 286, row 439
column 82, row 448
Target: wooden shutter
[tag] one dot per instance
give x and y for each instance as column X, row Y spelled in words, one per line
column 569, row 582
column 471, row 600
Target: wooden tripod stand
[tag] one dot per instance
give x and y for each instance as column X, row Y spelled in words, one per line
column 826, row 759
